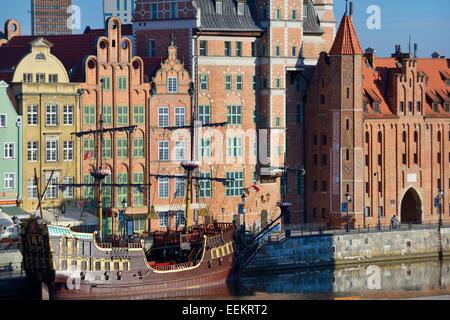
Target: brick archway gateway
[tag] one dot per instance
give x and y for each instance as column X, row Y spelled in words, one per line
column 411, row 209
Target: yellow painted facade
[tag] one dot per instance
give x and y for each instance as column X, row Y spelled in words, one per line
column 50, row 106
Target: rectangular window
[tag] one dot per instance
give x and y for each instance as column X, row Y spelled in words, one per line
column 447, row 107
column 89, row 115
column 40, row 77
column 88, row 191
column 228, row 82
column 277, row 121
column 235, row 185
column 53, row 78
column 107, row 149
column 68, row 192
column 204, row 114
column 68, row 150
column 294, row 52
column 180, row 150
column 9, row 150
column 239, row 83
column 139, row 222
column 122, row 83
column 107, row 115
column 138, row 195
column 278, row 83
column 154, row 11
column 203, row 48
column 88, row 149
column 172, row 85
column 163, row 150
column 240, row 8
column 163, row 219
column 180, row 187
column 32, row 115
column 277, row 51
column 3, row 121
column 163, row 117
column 10, row 179
column 294, row 15
column 234, row 147
column 173, row 10
column 122, row 148
column 204, row 82
column 106, row 83
column 278, row 14
column 51, row 115
column 253, row 49
column 68, row 116
column 51, row 154
column 180, row 116
column 139, row 115
column 239, row 49
column 163, row 188
column 234, row 115
column 32, row 151
column 227, row 48
column 122, row 115
column 31, row 189
column 138, row 147
column 122, row 192
column 205, row 148
column 27, row 77
column 219, row 7
column 52, row 190
column 151, row 48
column 205, row 189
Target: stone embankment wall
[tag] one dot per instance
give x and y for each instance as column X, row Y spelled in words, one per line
column 354, row 248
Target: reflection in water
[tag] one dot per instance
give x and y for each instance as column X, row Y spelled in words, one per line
column 369, row 280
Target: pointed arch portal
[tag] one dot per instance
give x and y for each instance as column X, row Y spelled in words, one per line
column 411, row 208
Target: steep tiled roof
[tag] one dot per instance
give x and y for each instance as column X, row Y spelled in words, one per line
column 346, row 41
column 311, row 24
column 229, row 20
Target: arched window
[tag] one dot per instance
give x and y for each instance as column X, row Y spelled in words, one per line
column 367, row 137
column 40, row 57
column 380, row 137
column 404, row 137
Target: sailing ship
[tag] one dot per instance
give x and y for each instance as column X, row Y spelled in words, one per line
column 64, row 263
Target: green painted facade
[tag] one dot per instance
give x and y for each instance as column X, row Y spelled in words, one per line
column 10, row 149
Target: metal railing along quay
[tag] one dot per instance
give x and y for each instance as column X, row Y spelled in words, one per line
column 318, row 230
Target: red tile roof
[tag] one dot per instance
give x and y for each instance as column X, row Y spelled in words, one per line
column 346, row 41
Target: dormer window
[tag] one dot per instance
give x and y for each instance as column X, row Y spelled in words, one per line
column 447, row 82
column 219, row 7
column 376, row 107
column 40, row 57
column 435, row 107
column 240, row 8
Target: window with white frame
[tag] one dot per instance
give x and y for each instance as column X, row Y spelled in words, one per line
column 235, row 185
column 32, row 189
column 10, row 179
column 32, row 115
column 163, row 117
column 234, row 147
column 163, row 188
column 219, row 7
column 180, row 150
column 180, row 116
column 180, row 187
column 172, row 84
column 204, row 114
column 27, row 77
column 32, row 151
column 205, row 189
column 68, row 115
column 9, row 150
column 180, row 218
column 51, row 115
column 205, row 148
column 3, row 121
column 68, row 191
column 240, row 8
column 239, row 82
column 151, row 48
column 40, row 77
column 163, row 150
column 51, row 151
column 53, row 78
column 68, row 150
column 204, row 82
column 52, row 189
column 163, row 219
column 234, row 115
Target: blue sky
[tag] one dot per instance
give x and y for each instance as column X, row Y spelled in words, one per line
column 428, row 22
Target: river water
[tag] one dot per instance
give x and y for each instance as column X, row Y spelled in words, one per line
column 394, row 280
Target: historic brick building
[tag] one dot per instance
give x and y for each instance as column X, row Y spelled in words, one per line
column 387, row 141
column 246, row 57
column 50, row 17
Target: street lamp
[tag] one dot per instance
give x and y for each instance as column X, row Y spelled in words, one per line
column 440, row 196
column 244, row 200
column 348, row 198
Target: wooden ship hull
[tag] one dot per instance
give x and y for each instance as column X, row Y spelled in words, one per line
column 66, row 265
